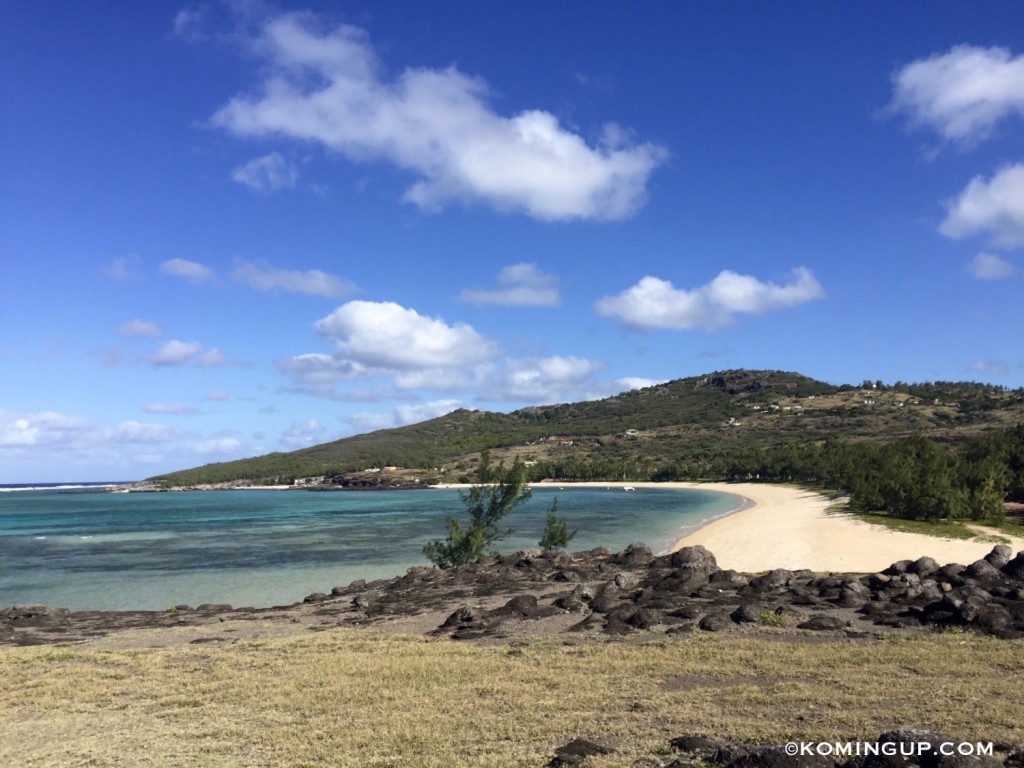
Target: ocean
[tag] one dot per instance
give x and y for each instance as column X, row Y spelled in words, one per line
column 81, row 547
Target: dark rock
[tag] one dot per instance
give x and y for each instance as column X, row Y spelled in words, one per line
column 31, row 615
column 1000, row 555
column 461, row 616
column 715, row 622
column 624, row 581
column 696, row 744
column 879, row 580
column 633, row 555
column 982, row 569
column 1015, row 568
column 697, row 555
column 728, row 580
column 644, row 618
column 575, row 752
column 900, row 566
column 948, row 572
column 823, row 622
column 520, row 605
column 747, row 614
column 924, row 566
column 779, row 577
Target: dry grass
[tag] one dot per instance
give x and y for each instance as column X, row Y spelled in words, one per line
column 362, row 699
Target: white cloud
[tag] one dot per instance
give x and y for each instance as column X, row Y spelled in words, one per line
column 386, row 335
column 44, row 428
column 216, row 445
column 402, row 415
column 989, row 367
column 192, row 271
column 629, row 383
column 211, row 358
column 176, row 353
column 961, row 94
column 328, row 87
column 170, row 409
column 189, row 21
column 302, row 434
column 140, row 432
column 266, row 173
column 989, row 266
column 138, row 327
column 656, row 304
column 995, row 208
column 317, row 373
column 217, row 396
column 123, row 267
column 521, row 285
column 311, row 281
column 542, row 380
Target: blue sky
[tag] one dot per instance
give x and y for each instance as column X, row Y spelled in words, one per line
column 230, row 228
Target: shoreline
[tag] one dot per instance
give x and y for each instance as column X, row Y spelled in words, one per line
column 785, row 526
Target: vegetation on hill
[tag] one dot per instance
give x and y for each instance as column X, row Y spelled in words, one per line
column 939, row 449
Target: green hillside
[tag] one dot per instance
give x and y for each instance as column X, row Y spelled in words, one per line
column 714, row 413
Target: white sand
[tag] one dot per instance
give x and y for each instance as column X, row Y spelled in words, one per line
column 789, row 527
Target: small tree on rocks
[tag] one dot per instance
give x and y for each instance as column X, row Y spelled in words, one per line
column 556, row 532
column 487, row 506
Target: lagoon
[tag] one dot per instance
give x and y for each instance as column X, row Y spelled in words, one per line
column 150, row 551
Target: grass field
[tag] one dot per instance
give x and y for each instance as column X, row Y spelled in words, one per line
column 363, row 699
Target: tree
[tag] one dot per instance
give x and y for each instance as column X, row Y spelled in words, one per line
column 556, row 532
column 487, row 505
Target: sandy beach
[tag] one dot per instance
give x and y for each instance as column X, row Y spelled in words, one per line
column 787, row 527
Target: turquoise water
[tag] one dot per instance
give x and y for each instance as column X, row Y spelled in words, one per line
column 117, row 551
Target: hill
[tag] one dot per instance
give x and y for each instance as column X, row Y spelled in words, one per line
column 636, row 431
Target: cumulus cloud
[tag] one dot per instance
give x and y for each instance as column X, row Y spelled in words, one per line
column 654, row 303
column 520, row 285
column 629, row 383
column 136, row 328
column 266, row 173
column 327, row 86
column 989, row 266
column 961, row 94
column 540, row 380
column 176, row 353
column 994, row 208
column 403, row 414
column 312, row 282
column 386, row 335
column 44, row 428
column 302, row 434
column 192, row 271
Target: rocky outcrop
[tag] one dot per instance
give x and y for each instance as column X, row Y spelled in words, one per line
column 616, row 594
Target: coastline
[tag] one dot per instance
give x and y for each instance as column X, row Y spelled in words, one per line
column 784, row 526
